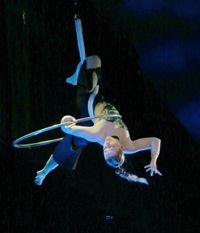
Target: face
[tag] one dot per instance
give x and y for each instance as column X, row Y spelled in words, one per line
column 111, row 149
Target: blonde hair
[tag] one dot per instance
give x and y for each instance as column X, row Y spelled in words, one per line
column 118, row 159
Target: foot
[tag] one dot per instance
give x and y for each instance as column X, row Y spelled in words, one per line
column 41, row 175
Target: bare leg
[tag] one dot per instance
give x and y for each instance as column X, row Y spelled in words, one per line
column 49, row 166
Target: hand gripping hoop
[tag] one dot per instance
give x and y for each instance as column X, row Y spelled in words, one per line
column 40, row 131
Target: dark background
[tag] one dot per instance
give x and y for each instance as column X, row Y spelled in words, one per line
column 146, row 75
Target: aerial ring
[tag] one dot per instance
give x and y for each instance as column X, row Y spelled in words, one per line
column 17, row 142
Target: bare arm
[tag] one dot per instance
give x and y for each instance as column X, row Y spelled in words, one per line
column 89, row 133
column 151, row 143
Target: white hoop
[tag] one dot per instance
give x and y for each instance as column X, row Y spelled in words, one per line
column 40, row 131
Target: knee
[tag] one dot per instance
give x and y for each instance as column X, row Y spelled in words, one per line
column 93, row 62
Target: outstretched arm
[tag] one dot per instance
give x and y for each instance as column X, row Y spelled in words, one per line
column 151, row 143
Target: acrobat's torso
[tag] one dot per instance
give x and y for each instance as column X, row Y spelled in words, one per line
column 112, row 126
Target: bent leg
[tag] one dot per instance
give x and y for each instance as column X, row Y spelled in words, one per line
column 89, row 80
column 66, row 155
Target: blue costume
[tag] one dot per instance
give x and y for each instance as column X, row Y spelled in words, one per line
column 68, row 151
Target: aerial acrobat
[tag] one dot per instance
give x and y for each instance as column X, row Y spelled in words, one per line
column 111, row 132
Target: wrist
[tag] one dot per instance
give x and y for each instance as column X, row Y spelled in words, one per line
column 154, row 159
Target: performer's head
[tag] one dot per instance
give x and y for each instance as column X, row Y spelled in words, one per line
column 113, row 151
